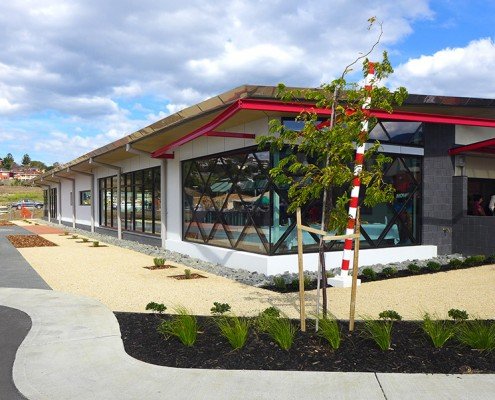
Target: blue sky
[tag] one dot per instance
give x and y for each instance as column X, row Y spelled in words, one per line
column 75, row 75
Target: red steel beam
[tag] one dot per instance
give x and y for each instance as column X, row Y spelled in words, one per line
column 235, row 135
column 478, row 146
column 208, row 127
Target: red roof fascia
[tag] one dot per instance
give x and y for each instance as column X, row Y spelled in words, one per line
column 278, row 106
column 434, row 118
column 487, row 146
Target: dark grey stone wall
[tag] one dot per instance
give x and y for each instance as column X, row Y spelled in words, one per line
column 438, row 170
column 471, row 234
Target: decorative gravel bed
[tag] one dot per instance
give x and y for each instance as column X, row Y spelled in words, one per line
column 239, row 275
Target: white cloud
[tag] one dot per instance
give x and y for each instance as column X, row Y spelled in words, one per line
column 461, row 71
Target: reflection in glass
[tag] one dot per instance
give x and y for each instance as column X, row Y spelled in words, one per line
column 230, row 201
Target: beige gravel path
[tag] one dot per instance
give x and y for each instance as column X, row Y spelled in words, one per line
column 116, row 277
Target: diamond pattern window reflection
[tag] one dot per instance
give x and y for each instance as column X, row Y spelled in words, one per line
column 230, row 201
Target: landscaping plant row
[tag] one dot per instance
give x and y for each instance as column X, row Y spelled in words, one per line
column 475, row 334
column 369, row 274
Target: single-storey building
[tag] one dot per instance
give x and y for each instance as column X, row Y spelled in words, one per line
column 196, row 182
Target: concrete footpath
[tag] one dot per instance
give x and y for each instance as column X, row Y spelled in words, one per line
column 74, row 351
column 15, row 271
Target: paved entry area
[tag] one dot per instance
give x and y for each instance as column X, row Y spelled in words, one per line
column 15, row 271
column 43, row 229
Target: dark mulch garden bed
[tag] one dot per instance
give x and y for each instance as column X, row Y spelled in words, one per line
column 6, row 223
column 411, row 352
column 20, row 241
column 165, row 266
column 186, row 277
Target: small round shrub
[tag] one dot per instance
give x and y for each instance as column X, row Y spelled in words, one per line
column 458, row 315
column 279, row 283
column 414, row 268
column 390, row 315
column 434, row 266
column 370, row 274
column 455, row 263
column 388, row 272
column 474, row 261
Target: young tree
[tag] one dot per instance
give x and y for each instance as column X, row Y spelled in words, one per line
column 327, row 171
column 26, row 160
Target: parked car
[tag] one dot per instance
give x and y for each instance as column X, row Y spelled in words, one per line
column 27, row 203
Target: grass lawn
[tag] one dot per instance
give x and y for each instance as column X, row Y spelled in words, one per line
column 10, row 194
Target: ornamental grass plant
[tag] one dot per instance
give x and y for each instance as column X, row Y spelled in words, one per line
column 380, row 331
column 439, row 331
column 183, row 326
column 328, row 329
column 234, row 329
column 281, row 330
column 477, row 334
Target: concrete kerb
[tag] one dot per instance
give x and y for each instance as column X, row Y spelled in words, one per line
column 74, row 350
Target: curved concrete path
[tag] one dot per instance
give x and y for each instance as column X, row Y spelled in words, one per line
column 74, row 351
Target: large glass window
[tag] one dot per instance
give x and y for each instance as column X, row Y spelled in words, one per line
column 140, row 203
column 230, row 201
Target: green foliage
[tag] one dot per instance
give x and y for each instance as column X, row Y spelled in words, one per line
column 330, row 150
column 389, row 272
column 307, row 282
column 271, row 312
column 458, row 315
column 474, row 261
column 390, row 315
column 279, row 283
column 438, row 331
column 8, row 161
column 96, row 243
column 187, row 273
column 281, row 330
column 413, row 268
column 477, row 334
column 455, row 263
column 184, row 326
column 380, row 331
column 26, row 160
column 234, row 329
column 220, row 308
column 370, row 274
column 434, row 266
column 158, row 262
column 328, row 329
column 74, row 236
column 157, row 307
column 264, row 317
column 85, row 240
column 490, row 259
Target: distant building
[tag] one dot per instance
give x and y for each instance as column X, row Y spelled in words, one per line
column 25, row 173
column 5, row 175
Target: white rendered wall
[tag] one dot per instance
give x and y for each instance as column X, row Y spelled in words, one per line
column 83, row 213
column 272, row 265
column 472, row 134
column 66, row 189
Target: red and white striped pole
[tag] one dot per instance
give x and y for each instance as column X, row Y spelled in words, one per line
column 344, row 280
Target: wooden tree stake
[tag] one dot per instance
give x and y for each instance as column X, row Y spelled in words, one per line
column 355, row 268
column 302, row 307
